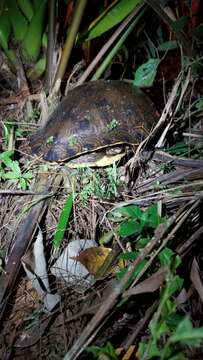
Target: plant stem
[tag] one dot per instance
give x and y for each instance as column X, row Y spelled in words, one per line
column 79, row 11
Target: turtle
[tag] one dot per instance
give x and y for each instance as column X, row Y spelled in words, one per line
column 95, row 124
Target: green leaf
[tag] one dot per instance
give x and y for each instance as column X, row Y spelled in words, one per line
column 63, row 221
column 174, row 283
column 37, row 70
column 115, row 15
column 143, row 241
column 136, row 272
column 188, row 335
column 106, row 237
column 180, row 23
column 158, row 330
column 5, row 29
column 5, row 157
column 18, row 21
column 125, row 212
column 146, row 73
column 129, row 255
column 94, row 350
column 26, row 8
column 198, row 32
column 23, row 184
column 10, row 175
column 131, row 211
column 28, row 175
column 173, row 320
column 199, row 104
column 151, row 217
column 16, row 168
column 148, row 352
column 165, row 257
column 107, row 350
column 128, row 228
column 168, row 45
column 32, row 41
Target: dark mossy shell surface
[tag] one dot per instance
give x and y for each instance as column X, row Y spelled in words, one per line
column 93, row 116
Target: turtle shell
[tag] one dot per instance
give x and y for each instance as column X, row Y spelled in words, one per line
column 94, row 116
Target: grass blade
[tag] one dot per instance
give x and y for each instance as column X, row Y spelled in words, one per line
column 63, row 222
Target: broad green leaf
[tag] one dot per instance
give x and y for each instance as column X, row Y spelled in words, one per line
column 128, row 228
column 198, row 32
column 150, row 218
column 63, row 221
column 173, row 320
column 28, row 175
column 5, row 157
column 131, row 211
column 188, row 335
column 5, row 29
column 146, row 73
column 10, row 175
column 115, row 14
column 129, row 255
column 168, row 45
column 18, row 21
column 15, row 168
column 32, row 41
column 180, row 23
column 26, row 8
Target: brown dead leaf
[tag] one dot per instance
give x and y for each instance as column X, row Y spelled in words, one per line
column 196, row 278
column 151, row 284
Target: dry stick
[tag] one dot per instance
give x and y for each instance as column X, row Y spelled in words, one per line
column 166, row 199
column 181, row 250
column 162, row 194
column 184, row 88
column 105, row 48
column 20, row 192
column 162, row 120
column 139, row 326
column 169, row 178
column 91, row 329
column 175, row 160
